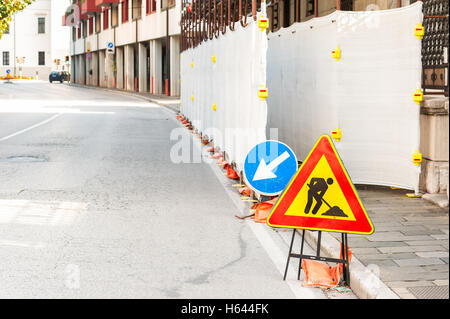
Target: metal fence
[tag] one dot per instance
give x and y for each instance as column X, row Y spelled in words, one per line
column 202, row 20
column 435, row 77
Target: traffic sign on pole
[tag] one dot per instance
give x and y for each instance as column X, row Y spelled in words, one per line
column 269, row 166
column 321, row 196
column 110, row 48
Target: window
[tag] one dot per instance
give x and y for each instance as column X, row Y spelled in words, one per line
column 98, row 21
column 137, row 9
column 91, row 25
column 150, row 6
column 41, row 58
column 114, row 16
column 41, row 25
column 6, row 58
column 106, row 19
column 74, row 34
column 310, row 8
column 85, row 25
column 124, row 11
column 79, row 31
column 166, row 3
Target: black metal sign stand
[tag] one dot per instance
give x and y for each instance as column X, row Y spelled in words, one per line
column 344, row 253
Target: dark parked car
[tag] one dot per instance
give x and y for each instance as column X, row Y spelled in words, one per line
column 60, row 76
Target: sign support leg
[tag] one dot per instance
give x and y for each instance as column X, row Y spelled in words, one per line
column 301, row 254
column 289, row 255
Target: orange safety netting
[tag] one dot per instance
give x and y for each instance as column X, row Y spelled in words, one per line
column 262, row 210
column 318, row 274
column 216, row 155
column 231, row 173
column 245, row 191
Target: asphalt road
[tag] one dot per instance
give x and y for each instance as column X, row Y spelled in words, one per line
column 91, row 206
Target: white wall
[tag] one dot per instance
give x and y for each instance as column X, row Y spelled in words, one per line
column 368, row 93
column 29, row 42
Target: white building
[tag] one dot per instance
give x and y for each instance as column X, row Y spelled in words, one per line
column 35, row 40
column 145, row 53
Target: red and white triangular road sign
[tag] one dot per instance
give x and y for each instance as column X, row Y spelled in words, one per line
column 321, row 196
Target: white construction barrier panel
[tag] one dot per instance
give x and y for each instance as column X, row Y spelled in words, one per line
column 219, row 89
column 366, row 92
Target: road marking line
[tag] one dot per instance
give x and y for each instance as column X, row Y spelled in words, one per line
column 30, row 128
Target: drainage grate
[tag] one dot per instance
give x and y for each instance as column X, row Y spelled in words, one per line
column 434, row 292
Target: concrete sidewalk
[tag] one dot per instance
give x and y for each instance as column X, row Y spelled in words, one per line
column 409, row 245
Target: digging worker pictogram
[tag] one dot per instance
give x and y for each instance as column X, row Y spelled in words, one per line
column 317, row 189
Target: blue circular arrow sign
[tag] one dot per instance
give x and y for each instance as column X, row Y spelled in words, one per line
column 110, row 45
column 269, row 166
column 8, row 71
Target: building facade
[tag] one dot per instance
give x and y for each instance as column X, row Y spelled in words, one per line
column 35, row 43
column 131, row 45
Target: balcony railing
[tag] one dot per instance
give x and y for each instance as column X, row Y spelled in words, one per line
column 101, row 3
column 89, row 7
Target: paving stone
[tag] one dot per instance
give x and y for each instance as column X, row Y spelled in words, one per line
column 411, row 249
column 379, row 262
column 442, row 228
column 404, row 293
column 421, row 232
column 364, row 250
column 443, row 243
column 397, row 236
column 421, row 223
column 443, row 236
column 441, row 282
column 411, row 283
column 360, row 244
column 415, row 269
column 400, row 228
column 418, row 261
column 388, row 256
column 401, row 275
column 432, row 254
column 441, row 219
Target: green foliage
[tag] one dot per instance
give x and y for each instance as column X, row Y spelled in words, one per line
column 7, row 9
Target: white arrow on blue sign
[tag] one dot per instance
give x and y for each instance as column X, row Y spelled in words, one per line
column 8, row 71
column 110, row 45
column 269, row 166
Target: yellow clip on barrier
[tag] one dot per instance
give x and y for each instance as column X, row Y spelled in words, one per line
column 263, row 22
column 336, row 134
column 419, row 31
column 336, row 53
column 214, row 106
column 263, row 92
column 417, row 157
column 418, row 96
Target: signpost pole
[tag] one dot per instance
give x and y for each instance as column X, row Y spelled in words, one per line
column 289, row 255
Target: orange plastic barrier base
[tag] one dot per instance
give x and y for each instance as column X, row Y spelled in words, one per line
column 245, row 191
column 262, row 210
column 318, row 274
column 231, row 173
column 216, row 155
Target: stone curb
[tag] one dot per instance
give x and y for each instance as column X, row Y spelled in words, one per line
column 363, row 281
